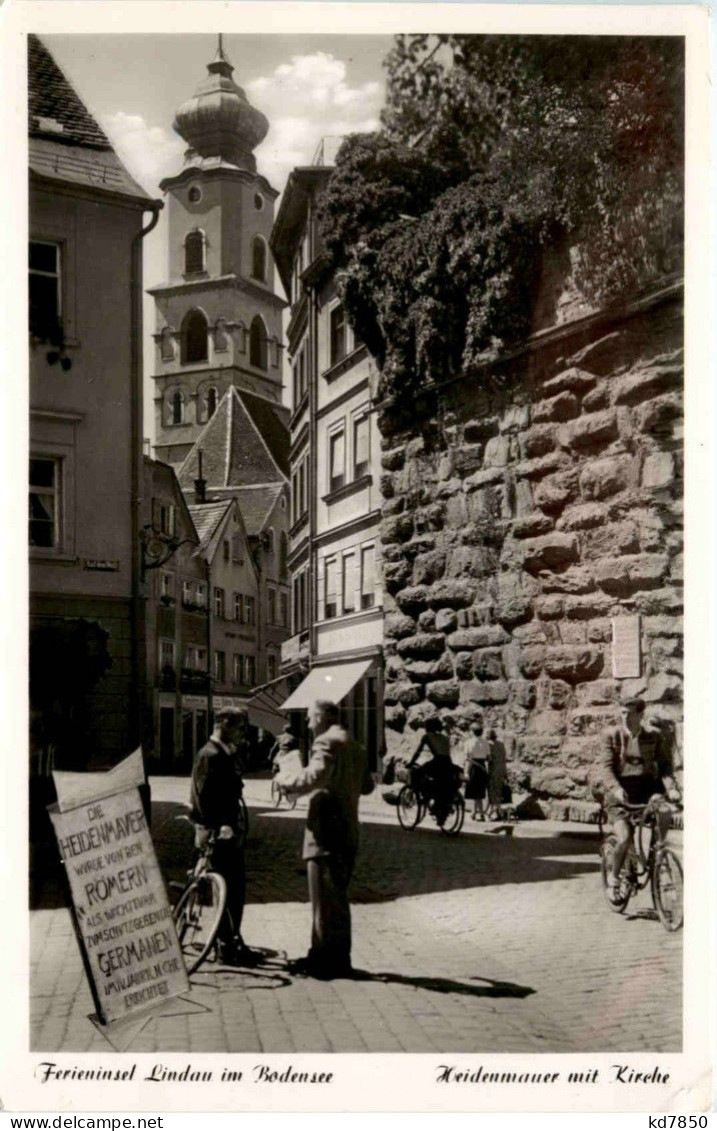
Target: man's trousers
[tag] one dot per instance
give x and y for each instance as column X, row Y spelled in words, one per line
column 329, row 878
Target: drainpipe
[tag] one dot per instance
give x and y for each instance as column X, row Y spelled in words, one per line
column 138, row 613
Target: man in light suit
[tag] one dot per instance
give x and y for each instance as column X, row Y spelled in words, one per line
column 336, row 776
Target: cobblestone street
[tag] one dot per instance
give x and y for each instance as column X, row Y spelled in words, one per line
column 488, row 942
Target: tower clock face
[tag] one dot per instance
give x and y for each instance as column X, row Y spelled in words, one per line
column 194, row 195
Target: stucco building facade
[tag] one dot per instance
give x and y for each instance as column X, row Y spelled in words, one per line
column 86, row 614
column 336, row 642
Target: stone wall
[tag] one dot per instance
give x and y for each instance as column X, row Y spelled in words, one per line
column 523, row 509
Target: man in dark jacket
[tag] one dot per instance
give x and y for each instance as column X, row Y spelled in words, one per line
column 337, row 774
column 216, row 791
column 636, row 762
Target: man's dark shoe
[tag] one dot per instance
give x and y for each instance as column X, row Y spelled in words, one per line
column 312, row 968
column 301, row 966
column 247, row 956
column 228, row 954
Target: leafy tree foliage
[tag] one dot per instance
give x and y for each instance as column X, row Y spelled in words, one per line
column 492, row 149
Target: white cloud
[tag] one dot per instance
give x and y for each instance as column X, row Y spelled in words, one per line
column 149, row 152
column 305, row 100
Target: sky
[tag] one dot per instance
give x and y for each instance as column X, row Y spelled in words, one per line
column 308, row 86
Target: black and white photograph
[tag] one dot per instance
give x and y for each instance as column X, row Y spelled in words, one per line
column 355, row 637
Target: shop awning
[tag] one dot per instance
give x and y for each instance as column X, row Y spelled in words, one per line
column 265, row 705
column 327, row 681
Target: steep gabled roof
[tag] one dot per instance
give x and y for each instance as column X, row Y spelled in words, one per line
column 256, row 504
column 245, row 443
column 66, row 143
column 207, row 518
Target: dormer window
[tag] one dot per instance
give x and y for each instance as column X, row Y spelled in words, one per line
column 194, row 245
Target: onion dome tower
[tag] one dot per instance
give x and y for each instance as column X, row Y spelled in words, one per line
column 218, row 121
column 218, row 318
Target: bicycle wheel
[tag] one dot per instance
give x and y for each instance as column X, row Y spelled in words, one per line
column 197, row 916
column 667, row 889
column 276, row 793
column 607, row 853
column 408, row 808
column 242, row 822
column 453, row 822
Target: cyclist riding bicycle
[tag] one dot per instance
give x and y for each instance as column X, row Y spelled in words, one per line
column 438, row 778
column 635, row 764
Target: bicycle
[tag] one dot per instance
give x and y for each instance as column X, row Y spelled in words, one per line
column 414, row 803
column 656, row 864
column 199, row 911
column 279, row 794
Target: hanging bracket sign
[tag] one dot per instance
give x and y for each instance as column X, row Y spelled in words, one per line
column 122, row 915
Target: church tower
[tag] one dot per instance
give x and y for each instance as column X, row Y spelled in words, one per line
column 218, row 319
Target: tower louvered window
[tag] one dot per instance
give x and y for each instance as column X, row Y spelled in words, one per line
column 194, row 252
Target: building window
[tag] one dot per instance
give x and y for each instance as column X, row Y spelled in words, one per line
column 220, row 666
column 194, row 252
column 337, row 348
column 194, row 195
column 219, row 600
column 258, row 201
column 225, row 550
column 195, row 336
column 301, row 489
column 195, row 658
column 208, row 404
column 300, row 372
column 258, row 259
column 348, row 582
column 249, row 610
column 167, row 585
column 283, row 553
column 45, row 503
column 331, row 587
column 166, row 654
column 337, row 459
column 284, row 610
column 236, row 549
column 45, row 299
column 269, row 540
column 166, row 344
column 202, row 594
column 239, row 608
column 258, row 344
column 271, row 606
column 271, row 665
column 249, row 671
column 237, row 668
column 165, row 518
column 175, row 407
column 187, row 593
column 368, row 577
column 297, row 272
column 361, row 445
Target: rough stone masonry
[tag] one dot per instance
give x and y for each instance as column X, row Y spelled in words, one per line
column 524, row 508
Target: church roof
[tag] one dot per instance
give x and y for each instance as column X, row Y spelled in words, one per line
column 246, row 442
column 66, row 143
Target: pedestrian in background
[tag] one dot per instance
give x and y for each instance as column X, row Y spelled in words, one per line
column 476, row 770
column 336, row 775
column 498, row 789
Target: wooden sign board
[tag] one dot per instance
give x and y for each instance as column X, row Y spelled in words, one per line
column 123, row 918
column 626, row 659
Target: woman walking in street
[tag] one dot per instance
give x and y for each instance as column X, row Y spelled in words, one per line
column 476, row 770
